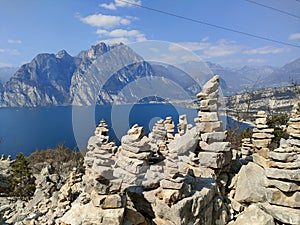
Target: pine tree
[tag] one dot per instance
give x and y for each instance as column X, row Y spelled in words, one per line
column 21, row 178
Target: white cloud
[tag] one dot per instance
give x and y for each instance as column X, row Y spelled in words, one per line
column 5, row 64
column 120, row 3
column 10, row 51
column 254, row 60
column 11, row 41
column 106, row 21
column 102, row 32
column 116, row 40
column 208, row 50
column 110, row 6
column 266, row 50
column 294, row 36
column 205, row 39
column 128, row 35
column 128, row 3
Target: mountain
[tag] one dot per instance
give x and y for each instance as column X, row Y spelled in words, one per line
column 102, row 74
column 44, row 81
column 116, row 74
column 287, row 75
column 243, row 79
column 251, row 78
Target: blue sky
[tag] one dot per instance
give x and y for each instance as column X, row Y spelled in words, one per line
column 30, row 27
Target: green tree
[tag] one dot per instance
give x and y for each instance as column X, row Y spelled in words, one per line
column 21, row 178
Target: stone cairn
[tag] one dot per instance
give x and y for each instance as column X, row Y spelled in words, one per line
column 100, row 200
column 294, row 127
column 158, row 137
column 282, row 169
column 247, row 149
column 174, row 186
column 182, row 125
column 169, row 126
column 100, row 156
column 271, row 184
column 215, row 153
column 262, row 134
column 133, row 157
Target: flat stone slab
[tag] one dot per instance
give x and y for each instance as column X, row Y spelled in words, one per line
column 277, row 197
column 293, row 175
column 283, row 185
column 283, row 214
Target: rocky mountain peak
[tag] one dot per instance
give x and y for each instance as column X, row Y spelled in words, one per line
column 98, row 49
column 63, row 54
column 294, row 65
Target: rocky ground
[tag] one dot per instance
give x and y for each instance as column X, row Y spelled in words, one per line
column 191, row 177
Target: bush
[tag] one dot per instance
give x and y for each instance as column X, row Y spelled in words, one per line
column 62, row 160
column 21, row 178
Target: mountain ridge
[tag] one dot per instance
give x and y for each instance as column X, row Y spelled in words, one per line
column 61, row 79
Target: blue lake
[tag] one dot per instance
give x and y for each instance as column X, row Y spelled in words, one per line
column 27, row 129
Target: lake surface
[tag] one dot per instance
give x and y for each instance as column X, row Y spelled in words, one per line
column 27, row 129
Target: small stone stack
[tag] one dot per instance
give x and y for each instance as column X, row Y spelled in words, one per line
column 262, row 134
column 158, row 137
column 100, row 201
column 182, row 125
column 215, row 153
column 173, row 187
column 133, row 157
column 247, row 149
column 208, row 120
column 294, row 127
column 100, row 156
column 102, row 130
column 170, row 127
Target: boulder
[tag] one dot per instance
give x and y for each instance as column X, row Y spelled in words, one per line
column 251, row 183
column 254, row 216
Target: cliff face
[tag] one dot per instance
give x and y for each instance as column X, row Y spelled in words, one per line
column 276, row 99
column 43, row 81
column 97, row 75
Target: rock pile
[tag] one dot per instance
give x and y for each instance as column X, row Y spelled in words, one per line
column 99, row 201
column 172, row 187
column 158, row 137
column 133, row 157
column 214, row 152
column 189, row 185
column 294, row 127
column 170, row 128
column 247, row 149
column 182, row 125
column 274, row 185
column 262, row 134
column 99, row 158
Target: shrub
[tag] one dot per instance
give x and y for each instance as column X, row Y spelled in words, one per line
column 62, row 160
